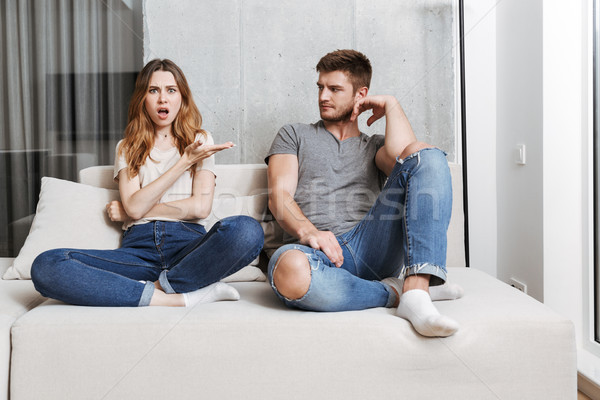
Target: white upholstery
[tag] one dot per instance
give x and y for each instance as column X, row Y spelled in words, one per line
column 252, row 179
column 231, row 179
column 16, row 298
column 509, row 345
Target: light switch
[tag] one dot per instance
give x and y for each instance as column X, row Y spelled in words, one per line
column 521, row 155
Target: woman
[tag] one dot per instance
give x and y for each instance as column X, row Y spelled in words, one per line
column 165, row 170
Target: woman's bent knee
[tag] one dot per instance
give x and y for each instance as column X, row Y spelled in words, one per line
column 291, row 274
column 42, row 266
column 247, row 229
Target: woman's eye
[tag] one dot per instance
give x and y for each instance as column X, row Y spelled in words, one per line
column 152, row 91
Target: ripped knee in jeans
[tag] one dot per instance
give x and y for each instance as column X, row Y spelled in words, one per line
column 292, row 274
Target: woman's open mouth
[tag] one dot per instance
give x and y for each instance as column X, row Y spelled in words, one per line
column 163, row 113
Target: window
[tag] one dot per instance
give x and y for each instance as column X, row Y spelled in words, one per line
column 70, row 70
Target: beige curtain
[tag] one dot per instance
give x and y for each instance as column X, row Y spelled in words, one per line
column 67, row 74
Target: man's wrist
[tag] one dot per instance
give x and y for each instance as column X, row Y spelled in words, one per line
column 391, row 103
column 304, row 232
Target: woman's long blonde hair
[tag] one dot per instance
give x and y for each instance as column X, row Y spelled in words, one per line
column 139, row 133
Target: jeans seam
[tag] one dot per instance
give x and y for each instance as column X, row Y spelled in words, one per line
column 353, row 255
column 406, row 217
column 190, row 229
column 158, row 246
column 103, row 270
column 68, row 255
column 356, row 269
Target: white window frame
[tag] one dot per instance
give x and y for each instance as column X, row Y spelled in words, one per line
column 568, row 164
column 568, row 247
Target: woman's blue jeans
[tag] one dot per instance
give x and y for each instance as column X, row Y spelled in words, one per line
column 404, row 232
column 182, row 256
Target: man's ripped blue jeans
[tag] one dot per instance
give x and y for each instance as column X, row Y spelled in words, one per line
column 404, row 232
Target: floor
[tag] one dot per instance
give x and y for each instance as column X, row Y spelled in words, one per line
column 581, row 396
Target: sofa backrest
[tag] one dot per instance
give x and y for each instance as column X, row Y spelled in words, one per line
column 251, row 179
column 232, row 179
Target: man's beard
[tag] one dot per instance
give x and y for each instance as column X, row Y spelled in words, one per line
column 341, row 116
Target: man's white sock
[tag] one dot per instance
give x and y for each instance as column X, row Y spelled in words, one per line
column 447, row 291
column 416, row 307
column 216, row 292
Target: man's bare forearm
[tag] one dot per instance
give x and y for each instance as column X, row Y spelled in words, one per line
column 289, row 215
column 398, row 132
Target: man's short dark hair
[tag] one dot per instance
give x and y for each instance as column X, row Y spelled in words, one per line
column 354, row 63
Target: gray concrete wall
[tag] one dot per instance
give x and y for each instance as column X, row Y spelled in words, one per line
column 250, row 63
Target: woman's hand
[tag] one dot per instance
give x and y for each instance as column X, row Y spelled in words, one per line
column 116, row 211
column 197, row 151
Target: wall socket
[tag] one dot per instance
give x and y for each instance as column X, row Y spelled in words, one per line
column 518, row 285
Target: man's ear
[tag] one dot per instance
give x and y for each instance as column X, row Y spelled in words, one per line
column 360, row 93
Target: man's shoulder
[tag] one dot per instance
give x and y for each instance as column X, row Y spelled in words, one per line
column 300, row 127
column 376, row 139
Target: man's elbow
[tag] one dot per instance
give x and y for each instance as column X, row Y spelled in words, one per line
column 270, row 204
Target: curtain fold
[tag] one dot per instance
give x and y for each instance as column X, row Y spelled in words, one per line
column 65, row 87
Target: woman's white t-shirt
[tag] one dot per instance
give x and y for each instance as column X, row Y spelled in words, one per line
column 157, row 164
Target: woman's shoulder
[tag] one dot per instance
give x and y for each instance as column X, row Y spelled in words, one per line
column 118, row 149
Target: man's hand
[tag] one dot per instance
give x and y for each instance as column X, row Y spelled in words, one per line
column 116, row 211
column 327, row 243
column 379, row 104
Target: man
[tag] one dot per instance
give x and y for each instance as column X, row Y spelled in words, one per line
column 323, row 180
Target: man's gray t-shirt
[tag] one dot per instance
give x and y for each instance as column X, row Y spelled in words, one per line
column 338, row 182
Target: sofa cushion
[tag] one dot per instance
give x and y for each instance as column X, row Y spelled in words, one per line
column 256, row 347
column 73, row 215
column 16, row 298
column 68, row 214
column 227, row 205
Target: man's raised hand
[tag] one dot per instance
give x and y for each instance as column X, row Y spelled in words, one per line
column 379, row 104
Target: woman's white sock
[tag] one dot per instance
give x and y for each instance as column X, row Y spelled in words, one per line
column 416, row 307
column 216, row 292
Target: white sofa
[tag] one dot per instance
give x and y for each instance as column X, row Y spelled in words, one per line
column 509, row 345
